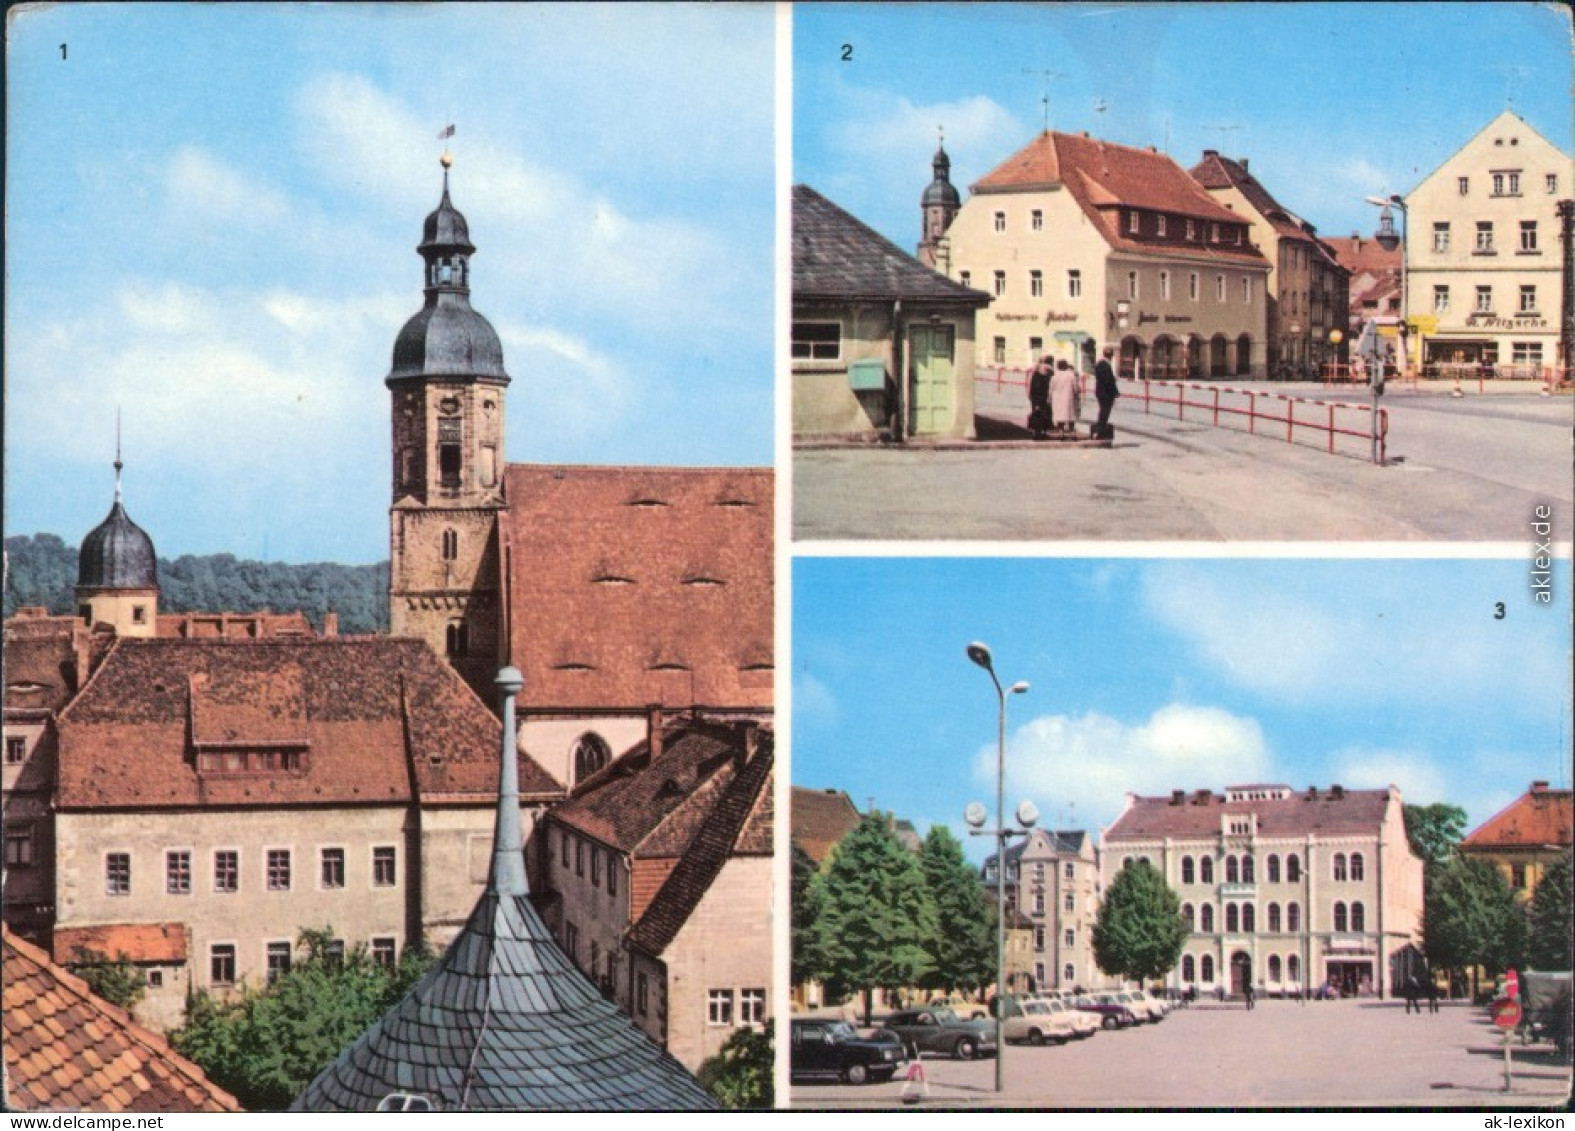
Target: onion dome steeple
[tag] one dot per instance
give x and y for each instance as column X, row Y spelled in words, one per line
column 117, row 553
column 940, row 191
column 446, row 338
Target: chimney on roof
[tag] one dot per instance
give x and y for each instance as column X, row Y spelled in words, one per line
column 1312, row 791
column 1178, row 797
column 31, row 612
column 1539, row 787
column 655, row 721
column 1211, row 153
column 1243, row 163
column 330, row 624
column 1201, row 797
column 1337, row 791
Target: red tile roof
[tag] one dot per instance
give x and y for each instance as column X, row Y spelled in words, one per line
column 738, row 823
column 821, row 818
column 1354, row 811
column 650, row 807
column 1215, row 171
column 380, row 721
column 234, row 624
column 1538, row 818
column 161, row 943
column 634, row 586
column 46, row 658
column 1104, row 177
column 67, row 1050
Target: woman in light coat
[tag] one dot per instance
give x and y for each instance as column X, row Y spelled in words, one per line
column 1064, row 397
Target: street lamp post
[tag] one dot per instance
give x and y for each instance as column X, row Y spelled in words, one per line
column 980, row 654
column 1389, row 241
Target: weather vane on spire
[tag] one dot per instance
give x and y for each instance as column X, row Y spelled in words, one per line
column 1047, row 76
column 118, row 464
column 443, row 135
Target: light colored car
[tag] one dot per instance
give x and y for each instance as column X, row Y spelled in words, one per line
column 1083, row 1024
column 1159, row 1009
column 1038, row 1023
column 967, row 1010
column 1141, row 1007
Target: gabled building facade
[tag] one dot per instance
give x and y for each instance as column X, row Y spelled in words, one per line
column 1292, row 891
column 1534, row 831
column 1308, row 290
column 882, row 345
column 1052, row 882
column 660, row 873
column 1081, row 242
column 1484, row 258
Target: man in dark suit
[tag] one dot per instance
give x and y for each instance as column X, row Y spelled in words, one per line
column 1105, row 392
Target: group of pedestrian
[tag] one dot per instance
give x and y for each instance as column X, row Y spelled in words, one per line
column 1055, row 396
column 1414, row 989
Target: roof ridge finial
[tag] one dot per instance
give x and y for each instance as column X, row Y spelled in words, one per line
column 507, row 875
column 118, row 464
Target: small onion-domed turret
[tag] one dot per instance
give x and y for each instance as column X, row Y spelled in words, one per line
column 940, row 191
column 117, row 553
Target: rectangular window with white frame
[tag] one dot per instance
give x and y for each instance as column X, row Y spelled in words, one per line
column 1133, row 223
column 816, row 341
column 719, row 1007
column 1528, row 298
column 221, row 964
column 1074, row 283
column 1036, row 284
column 965, row 278
column 177, row 871
column 20, row 851
column 1192, row 230
column 331, row 870
column 276, row 869
column 1164, row 285
column 1219, row 288
column 1246, row 291
column 1037, row 220
column 1498, row 184
column 1440, row 298
column 385, row 866
column 1159, row 225
column 226, row 870
column 15, row 749
column 1553, row 184
column 1441, row 236
column 1484, row 237
column 1484, row 298
column 752, row 1006
column 1000, row 221
column 1192, row 286
column 1463, row 185
column 277, row 958
column 1525, row 353
column 1000, row 283
column 998, row 350
column 1132, row 284
column 384, row 950
column 117, row 873
column 1528, row 235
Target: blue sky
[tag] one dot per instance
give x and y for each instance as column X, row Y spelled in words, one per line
column 1331, row 102
column 1153, row 675
column 212, row 220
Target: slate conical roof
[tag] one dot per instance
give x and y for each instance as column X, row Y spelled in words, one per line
column 505, row 1022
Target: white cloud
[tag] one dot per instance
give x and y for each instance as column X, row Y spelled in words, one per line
column 208, row 186
column 814, row 703
column 1419, row 778
column 1092, row 761
column 893, row 127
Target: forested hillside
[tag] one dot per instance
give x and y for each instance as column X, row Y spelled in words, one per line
column 42, row 570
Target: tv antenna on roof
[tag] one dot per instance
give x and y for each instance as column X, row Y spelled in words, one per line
column 1224, row 128
column 1047, row 76
column 1512, row 72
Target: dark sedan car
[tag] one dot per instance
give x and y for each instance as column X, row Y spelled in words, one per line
column 1112, row 1014
column 832, row 1049
column 937, row 1029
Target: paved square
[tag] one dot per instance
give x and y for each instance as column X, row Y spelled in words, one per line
column 1281, row 1054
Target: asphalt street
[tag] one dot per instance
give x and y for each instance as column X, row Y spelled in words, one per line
column 1470, row 469
column 1283, row 1054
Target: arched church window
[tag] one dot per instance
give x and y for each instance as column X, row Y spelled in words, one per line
column 591, row 753
column 450, row 545
column 458, row 638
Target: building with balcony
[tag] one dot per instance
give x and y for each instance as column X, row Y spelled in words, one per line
column 1483, row 254
column 1052, row 886
column 1292, row 891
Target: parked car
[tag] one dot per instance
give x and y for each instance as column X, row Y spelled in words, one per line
column 938, row 1029
column 1143, row 1006
column 832, row 1049
column 1040, row 1021
column 971, row 1010
column 1112, row 1014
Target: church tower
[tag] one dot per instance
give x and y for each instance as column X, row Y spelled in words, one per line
column 939, row 206
column 117, row 572
column 446, row 390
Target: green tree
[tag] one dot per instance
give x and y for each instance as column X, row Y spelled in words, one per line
column 1549, row 947
column 268, row 1045
column 116, row 980
column 962, row 948
column 740, row 1074
column 1470, row 918
column 1140, row 932
column 1434, row 831
column 802, row 916
column 873, row 915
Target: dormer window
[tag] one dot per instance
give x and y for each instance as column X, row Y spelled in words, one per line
column 1132, row 222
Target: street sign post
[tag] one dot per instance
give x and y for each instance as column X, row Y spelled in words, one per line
column 1506, row 1015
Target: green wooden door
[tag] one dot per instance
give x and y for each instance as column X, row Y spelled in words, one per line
column 931, row 363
